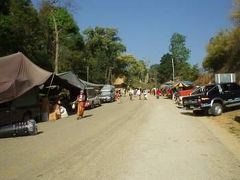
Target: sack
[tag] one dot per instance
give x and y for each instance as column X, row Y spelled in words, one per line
column 73, row 106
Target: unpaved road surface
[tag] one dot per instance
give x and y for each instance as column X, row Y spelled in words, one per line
column 132, row 140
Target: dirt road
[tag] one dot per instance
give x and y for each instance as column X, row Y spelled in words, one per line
column 139, row 139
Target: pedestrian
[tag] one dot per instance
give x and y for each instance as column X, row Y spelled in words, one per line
column 55, row 112
column 117, row 95
column 139, row 94
column 81, row 101
column 131, row 94
column 145, row 94
column 158, row 93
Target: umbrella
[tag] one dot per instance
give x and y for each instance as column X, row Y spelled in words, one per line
column 182, row 84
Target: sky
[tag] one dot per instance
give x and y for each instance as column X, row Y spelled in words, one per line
column 146, row 26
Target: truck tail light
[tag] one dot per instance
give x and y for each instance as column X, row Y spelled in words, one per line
column 205, row 99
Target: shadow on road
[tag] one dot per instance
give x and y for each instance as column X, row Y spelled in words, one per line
column 87, row 116
column 196, row 114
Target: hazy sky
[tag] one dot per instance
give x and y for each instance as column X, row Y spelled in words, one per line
column 146, row 26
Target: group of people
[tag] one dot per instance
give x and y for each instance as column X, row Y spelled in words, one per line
column 138, row 93
column 81, row 99
column 156, row 92
column 56, row 110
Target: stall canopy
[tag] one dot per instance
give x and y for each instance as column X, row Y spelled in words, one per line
column 72, row 79
column 120, row 82
column 182, row 84
column 89, row 84
column 18, row 75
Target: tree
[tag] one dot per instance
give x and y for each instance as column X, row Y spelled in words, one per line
column 236, row 13
column 223, row 50
column 20, row 30
column 102, row 47
column 180, row 53
column 165, row 68
column 64, row 41
column 154, row 74
column 134, row 70
column 217, row 52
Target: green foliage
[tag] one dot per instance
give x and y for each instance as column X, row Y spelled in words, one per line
column 153, row 75
column 217, row 52
column 177, row 48
column 102, row 47
column 236, row 13
column 70, row 40
column 233, row 63
column 23, row 28
column 223, row 50
column 180, row 53
column 165, row 72
column 134, row 70
column 19, row 29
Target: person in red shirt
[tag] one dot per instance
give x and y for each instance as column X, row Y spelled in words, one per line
column 158, row 93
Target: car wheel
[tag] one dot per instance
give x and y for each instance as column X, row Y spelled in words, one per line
column 217, row 109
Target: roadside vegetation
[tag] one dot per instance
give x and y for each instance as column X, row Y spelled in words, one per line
column 50, row 37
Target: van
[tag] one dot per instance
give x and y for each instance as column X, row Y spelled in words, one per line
column 93, row 99
column 107, row 93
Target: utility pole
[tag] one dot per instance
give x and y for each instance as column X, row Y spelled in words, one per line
column 87, row 73
column 109, row 75
column 173, row 69
column 56, row 44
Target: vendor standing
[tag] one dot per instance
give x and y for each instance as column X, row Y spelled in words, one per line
column 81, row 100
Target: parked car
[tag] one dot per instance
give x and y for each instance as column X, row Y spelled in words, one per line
column 190, row 102
column 21, row 109
column 93, row 99
column 183, row 93
column 107, row 93
column 214, row 98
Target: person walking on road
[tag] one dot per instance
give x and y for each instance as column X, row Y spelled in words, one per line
column 81, row 100
column 117, row 96
column 139, row 94
column 131, row 94
column 158, row 93
column 145, row 94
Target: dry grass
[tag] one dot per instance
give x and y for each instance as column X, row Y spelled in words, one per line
column 227, row 120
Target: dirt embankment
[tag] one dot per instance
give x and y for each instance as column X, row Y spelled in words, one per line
column 228, row 121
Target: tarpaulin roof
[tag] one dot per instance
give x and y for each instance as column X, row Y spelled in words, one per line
column 18, row 75
column 71, row 79
column 89, row 84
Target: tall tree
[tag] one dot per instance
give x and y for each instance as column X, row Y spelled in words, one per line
column 102, row 47
column 180, row 53
column 154, row 74
column 236, row 13
column 64, row 41
column 20, row 29
column 165, row 68
column 217, row 52
column 223, row 50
